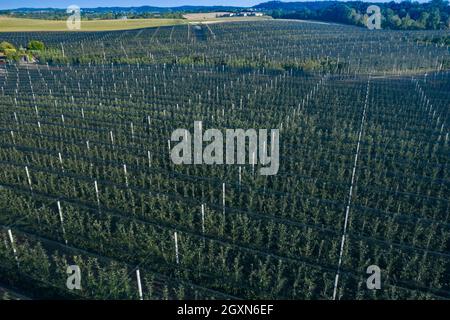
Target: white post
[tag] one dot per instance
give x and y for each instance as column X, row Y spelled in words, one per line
column 60, row 160
column 138, row 276
column 112, row 137
column 272, row 144
column 28, row 177
column 203, row 218
column 253, row 162
column 96, row 192
column 89, row 149
column 62, row 221
column 223, row 198
column 125, row 172
column 12, row 137
column 12, row 245
column 149, row 159
column 82, row 113
column 240, row 176
column 198, row 136
column 176, row 248
column 132, row 131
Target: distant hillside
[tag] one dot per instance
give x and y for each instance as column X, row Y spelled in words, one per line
column 405, row 15
column 162, row 9
column 292, row 6
column 115, row 12
column 128, row 9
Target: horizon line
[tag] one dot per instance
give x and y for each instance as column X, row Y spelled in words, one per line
column 210, row 6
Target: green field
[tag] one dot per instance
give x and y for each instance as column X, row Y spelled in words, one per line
column 22, row 25
column 8, row 24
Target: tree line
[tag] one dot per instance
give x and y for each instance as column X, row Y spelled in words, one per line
column 405, row 15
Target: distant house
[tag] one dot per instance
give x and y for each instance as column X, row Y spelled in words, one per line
column 225, row 15
column 240, row 14
column 27, row 59
column 250, row 14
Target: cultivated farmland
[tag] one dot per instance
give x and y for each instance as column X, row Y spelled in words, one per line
column 29, row 25
column 364, row 174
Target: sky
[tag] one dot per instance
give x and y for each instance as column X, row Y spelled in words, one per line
column 13, row 4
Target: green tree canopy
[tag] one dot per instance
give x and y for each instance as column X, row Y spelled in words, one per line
column 36, row 45
column 6, row 46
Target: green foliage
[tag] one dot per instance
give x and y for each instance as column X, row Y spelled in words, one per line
column 35, row 45
column 280, row 235
column 325, row 65
column 443, row 41
column 404, row 16
column 59, row 14
column 33, row 49
column 4, row 45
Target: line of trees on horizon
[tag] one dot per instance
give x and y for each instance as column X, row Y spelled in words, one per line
column 404, row 15
column 60, row 14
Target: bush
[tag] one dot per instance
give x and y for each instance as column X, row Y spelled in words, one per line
column 35, row 45
column 6, row 46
